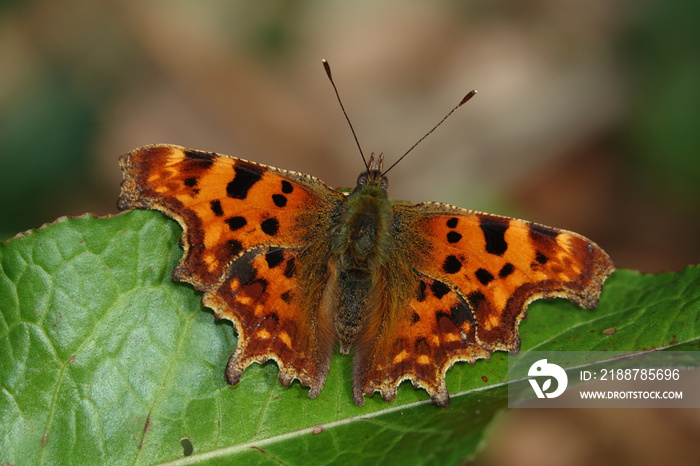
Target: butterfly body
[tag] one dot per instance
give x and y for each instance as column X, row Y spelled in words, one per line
column 298, row 267
column 358, row 245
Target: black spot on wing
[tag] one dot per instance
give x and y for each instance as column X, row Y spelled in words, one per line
column 415, row 318
column 453, row 237
column 506, row 270
column 246, row 175
column 439, row 289
column 191, row 182
column 484, row 276
column 236, row 223
column 274, row 258
column 215, row 206
column 451, row 265
column 494, row 233
column 287, row 187
column 280, row 200
column 270, row 226
column 541, row 258
column 452, row 223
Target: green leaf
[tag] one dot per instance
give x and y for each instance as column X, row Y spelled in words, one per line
column 105, row 359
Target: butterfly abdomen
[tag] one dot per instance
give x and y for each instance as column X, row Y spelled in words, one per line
column 358, row 242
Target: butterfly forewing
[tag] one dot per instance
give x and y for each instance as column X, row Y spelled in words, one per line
column 225, row 205
column 244, row 227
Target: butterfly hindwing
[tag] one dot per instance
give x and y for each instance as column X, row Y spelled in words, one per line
column 244, row 224
column 433, row 330
column 263, row 298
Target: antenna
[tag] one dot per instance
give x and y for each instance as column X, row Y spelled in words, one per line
column 464, row 100
column 327, row 67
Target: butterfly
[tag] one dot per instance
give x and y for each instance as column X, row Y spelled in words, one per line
column 298, row 266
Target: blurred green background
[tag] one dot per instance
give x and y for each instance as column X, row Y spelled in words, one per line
column 587, row 118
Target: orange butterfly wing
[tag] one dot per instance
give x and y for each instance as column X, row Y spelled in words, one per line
column 244, row 227
column 475, row 273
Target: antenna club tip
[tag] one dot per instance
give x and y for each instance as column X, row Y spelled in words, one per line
column 326, row 67
column 466, row 98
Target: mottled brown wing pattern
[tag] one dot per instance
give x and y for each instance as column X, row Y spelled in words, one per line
column 263, row 298
column 244, row 224
column 435, row 329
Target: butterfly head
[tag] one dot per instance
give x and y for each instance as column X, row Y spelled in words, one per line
column 374, row 175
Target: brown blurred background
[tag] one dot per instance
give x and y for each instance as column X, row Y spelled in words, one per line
column 587, row 118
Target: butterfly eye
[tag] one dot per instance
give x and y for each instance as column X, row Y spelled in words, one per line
column 362, row 179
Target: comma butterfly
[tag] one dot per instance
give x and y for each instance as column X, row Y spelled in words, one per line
column 297, row 266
